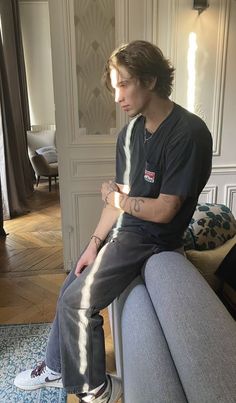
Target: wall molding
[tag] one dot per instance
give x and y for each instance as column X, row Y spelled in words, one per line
column 91, row 170
column 172, row 29
column 218, row 98
column 211, row 193
column 92, row 161
column 172, row 35
column 151, row 20
column 80, row 235
column 38, row 128
column 70, row 71
column 121, row 36
column 223, row 170
column 33, row 1
column 96, row 140
column 87, row 193
column 122, row 21
column 76, row 238
column 91, row 182
column 230, row 196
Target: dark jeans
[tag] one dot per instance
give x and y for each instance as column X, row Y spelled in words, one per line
column 76, row 342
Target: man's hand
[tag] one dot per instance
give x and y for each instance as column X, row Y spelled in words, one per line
column 107, row 188
column 108, row 218
column 87, row 257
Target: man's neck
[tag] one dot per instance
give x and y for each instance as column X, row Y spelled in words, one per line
column 157, row 112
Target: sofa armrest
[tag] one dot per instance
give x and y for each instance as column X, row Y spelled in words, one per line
column 115, row 312
column 200, row 332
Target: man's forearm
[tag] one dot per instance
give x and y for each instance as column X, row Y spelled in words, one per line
column 160, row 210
column 108, row 218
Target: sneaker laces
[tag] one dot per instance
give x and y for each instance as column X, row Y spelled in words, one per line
column 39, row 369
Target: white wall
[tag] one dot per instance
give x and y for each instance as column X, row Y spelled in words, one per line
column 212, row 74
column 37, row 50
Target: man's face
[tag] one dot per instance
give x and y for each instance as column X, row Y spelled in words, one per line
column 132, row 97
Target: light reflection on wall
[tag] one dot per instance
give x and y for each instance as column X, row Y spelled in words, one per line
column 192, row 50
column 1, row 28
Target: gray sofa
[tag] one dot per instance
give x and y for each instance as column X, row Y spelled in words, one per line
column 174, row 339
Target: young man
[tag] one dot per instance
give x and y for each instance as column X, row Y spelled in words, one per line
column 163, row 161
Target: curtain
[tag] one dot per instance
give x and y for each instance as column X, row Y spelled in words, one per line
column 2, row 231
column 14, row 109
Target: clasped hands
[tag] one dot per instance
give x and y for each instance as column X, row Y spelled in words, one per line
column 107, row 190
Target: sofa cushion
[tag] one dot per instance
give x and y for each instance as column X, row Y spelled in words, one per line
column 211, row 226
column 49, row 153
column 208, row 261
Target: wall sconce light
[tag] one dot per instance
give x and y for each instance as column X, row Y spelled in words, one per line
column 200, row 5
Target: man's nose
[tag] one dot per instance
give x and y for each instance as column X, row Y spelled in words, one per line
column 118, row 95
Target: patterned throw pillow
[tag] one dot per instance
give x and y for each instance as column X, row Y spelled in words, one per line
column 211, row 226
column 188, row 239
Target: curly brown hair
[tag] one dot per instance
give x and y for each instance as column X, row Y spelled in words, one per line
column 144, row 61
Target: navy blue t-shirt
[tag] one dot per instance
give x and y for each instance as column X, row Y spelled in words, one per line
column 176, row 160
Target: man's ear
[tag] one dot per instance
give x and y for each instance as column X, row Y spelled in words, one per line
column 152, row 83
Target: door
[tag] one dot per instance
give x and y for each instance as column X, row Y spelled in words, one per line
column 83, row 34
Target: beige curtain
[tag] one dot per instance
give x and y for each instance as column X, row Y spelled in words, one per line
column 14, row 109
column 2, row 231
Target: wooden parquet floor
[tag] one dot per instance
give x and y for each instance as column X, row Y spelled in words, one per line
column 34, row 243
column 31, row 261
column 31, row 267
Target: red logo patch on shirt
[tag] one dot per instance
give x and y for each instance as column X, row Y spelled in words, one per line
column 149, row 176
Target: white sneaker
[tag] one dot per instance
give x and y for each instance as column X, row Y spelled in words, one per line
column 39, row 377
column 111, row 394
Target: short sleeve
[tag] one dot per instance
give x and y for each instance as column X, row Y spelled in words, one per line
column 121, row 158
column 183, row 173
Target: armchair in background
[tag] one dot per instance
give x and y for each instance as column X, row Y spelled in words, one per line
column 42, row 154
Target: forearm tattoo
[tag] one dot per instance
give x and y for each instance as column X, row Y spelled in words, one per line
column 112, row 188
column 123, row 200
column 134, row 206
